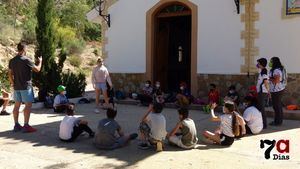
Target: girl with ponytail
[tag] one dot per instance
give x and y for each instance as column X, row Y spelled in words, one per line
column 229, row 127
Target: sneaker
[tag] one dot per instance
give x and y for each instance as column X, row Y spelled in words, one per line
column 144, row 146
column 28, row 129
column 96, row 111
column 4, row 113
column 133, row 136
column 17, row 127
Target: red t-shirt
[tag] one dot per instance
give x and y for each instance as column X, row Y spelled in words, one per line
column 213, row 96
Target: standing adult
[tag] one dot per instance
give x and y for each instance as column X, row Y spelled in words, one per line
column 20, row 74
column 277, row 85
column 262, row 88
column 100, row 76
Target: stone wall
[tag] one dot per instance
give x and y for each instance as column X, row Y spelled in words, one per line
column 133, row 82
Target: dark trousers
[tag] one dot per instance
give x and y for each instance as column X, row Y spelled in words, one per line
column 277, row 106
column 145, row 99
column 248, row 130
column 60, row 109
column 77, row 130
column 261, row 106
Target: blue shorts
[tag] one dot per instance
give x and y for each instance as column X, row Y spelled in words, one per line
column 101, row 86
column 25, row 96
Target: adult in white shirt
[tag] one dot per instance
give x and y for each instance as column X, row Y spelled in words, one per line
column 278, row 79
column 262, row 88
column 100, row 76
column 252, row 116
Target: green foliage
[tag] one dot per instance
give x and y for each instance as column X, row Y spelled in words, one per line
column 65, row 34
column 75, row 60
column 49, row 77
column 28, row 34
column 75, row 46
column 4, row 82
column 75, row 84
column 92, row 32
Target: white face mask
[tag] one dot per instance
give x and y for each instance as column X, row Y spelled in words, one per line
column 157, row 85
column 181, row 88
column 224, row 109
column 64, row 92
column 147, row 85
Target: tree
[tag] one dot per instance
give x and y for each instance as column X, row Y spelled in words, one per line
column 50, row 76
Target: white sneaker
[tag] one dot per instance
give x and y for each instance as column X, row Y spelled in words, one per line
column 96, row 111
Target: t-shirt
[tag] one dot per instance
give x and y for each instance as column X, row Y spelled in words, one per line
column 253, row 119
column 60, row 99
column 66, row 127
column 279, row 86
column 213, row 96
column 157, row 124
column 21, row 67
column 226, row 125
column 106, row 134
column 189, row 132
column 100, row 74
column 260, row 86
column 148, row 90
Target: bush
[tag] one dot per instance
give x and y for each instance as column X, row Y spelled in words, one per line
column 65, row 34
column 75, row 61
column 28, row 34
column 75, row 46
column 4, row 82
column 75, row 84
column 92, row 32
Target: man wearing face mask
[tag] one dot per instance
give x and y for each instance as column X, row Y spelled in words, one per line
column 145, row 96
column 20, row 74
column 61, row 101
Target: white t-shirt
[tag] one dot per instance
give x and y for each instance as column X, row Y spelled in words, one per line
column 226, row 125
column 66, row 127
column 157, row 124
column 253, row 119
column 279, row 86
column 60, row 99
column 260, row 82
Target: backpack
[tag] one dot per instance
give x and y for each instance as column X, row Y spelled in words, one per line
column 284, row 76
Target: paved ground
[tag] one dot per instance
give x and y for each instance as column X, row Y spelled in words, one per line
column 43, row 149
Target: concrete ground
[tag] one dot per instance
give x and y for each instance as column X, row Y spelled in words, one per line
column 44, row 150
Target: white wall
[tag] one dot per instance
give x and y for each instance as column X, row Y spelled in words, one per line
column 279, row 37
column 219, row 37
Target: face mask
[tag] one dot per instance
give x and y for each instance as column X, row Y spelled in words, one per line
column 157, row 85
column 64, row 92
column 245, row 104
column 224, row 109
column 231, row 91
column 147, row 85
column 181, row 87
column 257, row 65
column 270, row 64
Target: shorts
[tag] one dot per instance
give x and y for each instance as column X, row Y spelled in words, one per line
column 101, row 86
column 145, row 129
column 177, row 141
column 226, row 140
column 25, row 96
column 120, row 142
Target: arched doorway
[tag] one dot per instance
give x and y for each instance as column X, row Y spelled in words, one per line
column 172, row 44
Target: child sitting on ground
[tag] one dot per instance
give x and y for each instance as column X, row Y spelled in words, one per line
column 213, row 97
column 71, row 127
column 252, row 116
column 232, row 95
column 4, row 102
column 158, row 93
column 107, row 131
column 183, row 97
column 187, row 139
column 61, row 101
column 153, row 127
column 145, row 95
column 229, row 126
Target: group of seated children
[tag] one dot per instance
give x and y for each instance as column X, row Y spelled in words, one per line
column 150, row 94
column 4, row 102
column 109, row 134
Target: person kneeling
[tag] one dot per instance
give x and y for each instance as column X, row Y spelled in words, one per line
column 153, row 127
column 187, row 139
column 106, row 133
column 71, row 127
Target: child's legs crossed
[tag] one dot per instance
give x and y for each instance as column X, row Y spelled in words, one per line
column 212, row 136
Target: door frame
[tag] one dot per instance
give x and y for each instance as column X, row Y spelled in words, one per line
column 150, row 38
